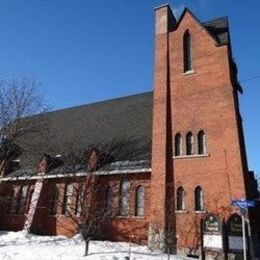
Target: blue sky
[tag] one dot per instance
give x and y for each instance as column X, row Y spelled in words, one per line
column 87, row 51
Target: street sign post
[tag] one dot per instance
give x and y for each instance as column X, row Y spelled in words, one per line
column 243, row 205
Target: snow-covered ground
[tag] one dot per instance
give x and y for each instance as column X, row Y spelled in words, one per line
column 20, row 245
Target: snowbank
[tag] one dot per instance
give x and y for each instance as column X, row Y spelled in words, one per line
column 23, row 246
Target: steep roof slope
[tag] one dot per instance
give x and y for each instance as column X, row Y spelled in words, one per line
column 219, row 29
column 127, row 120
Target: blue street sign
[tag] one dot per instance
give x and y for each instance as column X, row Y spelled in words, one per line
column 243, row 204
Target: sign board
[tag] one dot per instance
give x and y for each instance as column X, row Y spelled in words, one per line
column 243, row 204
column 212, row 233
column 33, row 205
column 235, row 233
column 213, row 242
column 211, row 225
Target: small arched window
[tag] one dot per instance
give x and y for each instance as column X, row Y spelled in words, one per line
column 178, row 145
column 54, row 200
column 139, row 201
column 201, row 142
column 180, row 198
column 67, row 201
column 187, row 59
column 199, row 199
column 124, row 198
column 189, row 143
column 109, row 199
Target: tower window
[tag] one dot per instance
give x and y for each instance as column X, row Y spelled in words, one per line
column 180, row 199
column 199, row 199
column 189, row 143
column 201, row 142
column 178, row 145
column 187, row 60
column 139, row 201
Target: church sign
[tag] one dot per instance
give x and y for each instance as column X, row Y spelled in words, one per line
column 212, row 233
column 235, row 233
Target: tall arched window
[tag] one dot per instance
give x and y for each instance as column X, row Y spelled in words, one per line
column 189, row 143
column 187, row 60
column 54, row 201
column 79, row 200
column 124, row 198
column 199, row 199
column 29, row 200
column 139, row 201
column 201, row 142
column 109, row 199
column 21, row 199
column 10, row 200
column 180, row 198
column 67, row 201
column 178, row 145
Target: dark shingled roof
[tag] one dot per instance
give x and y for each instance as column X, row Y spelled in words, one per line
column 127, row 119
column 218, row 28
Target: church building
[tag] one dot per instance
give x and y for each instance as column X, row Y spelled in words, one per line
column 159, row 168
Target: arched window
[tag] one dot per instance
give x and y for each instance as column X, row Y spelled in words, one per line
column 187, row 60
column 21, row 199
column 189, row 143
column 178, row 145
column 29, row 200
column 67, row 201
column 79, row 200
column 139, row 201
column 54, row 201
column 201, row 142
column 180, row 198
column 109, row 200
column 199, row 199
column 124, row 198
column 10, row 200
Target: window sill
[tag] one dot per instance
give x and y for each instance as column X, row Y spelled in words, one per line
column 191, row 156
column 139, row 217
column 180, row 211
column 189, row 72
column 126, row 217
column 200, row 211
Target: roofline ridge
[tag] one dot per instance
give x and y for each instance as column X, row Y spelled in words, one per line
column 94, row 103
column 217, row 18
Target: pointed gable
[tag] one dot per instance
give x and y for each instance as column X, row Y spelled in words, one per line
column 217, row 28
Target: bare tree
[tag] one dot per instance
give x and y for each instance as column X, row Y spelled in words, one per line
column 84, row 198
column 19, row 99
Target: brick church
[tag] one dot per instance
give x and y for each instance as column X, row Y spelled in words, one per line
column 149, row 167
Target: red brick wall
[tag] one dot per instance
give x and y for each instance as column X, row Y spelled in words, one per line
column 11, row 220
column 200, row 100
column 204, row 101
column 115, row 228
